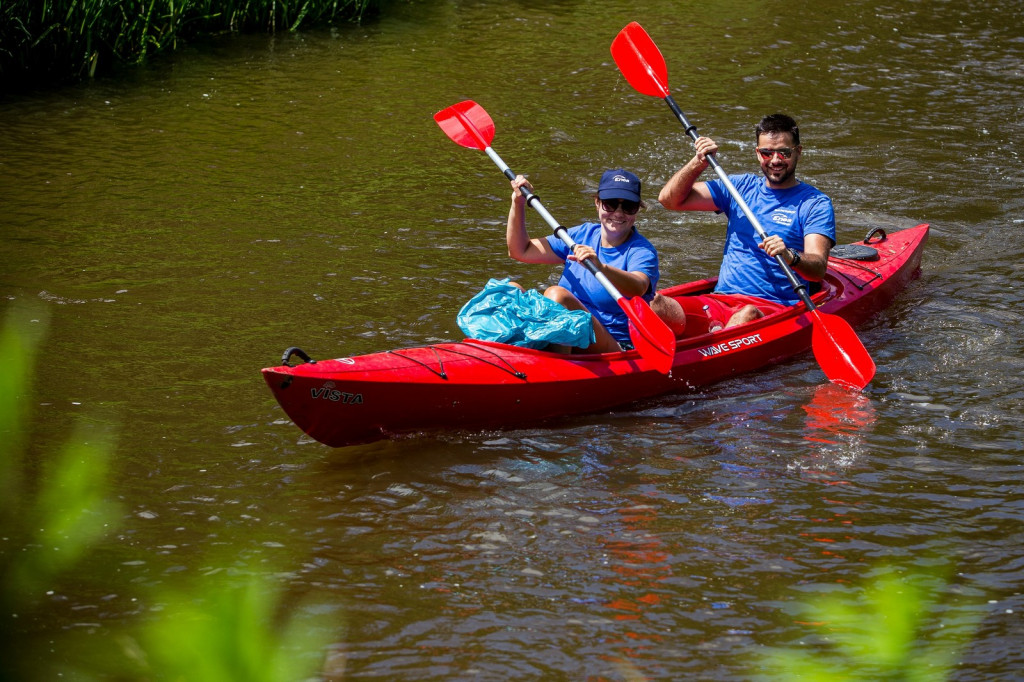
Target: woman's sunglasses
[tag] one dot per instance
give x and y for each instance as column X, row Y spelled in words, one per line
column 785, row 152
column 628, row 207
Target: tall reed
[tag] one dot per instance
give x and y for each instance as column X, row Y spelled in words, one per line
column 53, row 41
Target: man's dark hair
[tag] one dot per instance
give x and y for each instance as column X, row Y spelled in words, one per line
column 777, row 123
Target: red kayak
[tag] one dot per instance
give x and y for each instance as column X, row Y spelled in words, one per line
column 473, row 385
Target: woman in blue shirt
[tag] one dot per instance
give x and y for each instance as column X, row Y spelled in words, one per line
column 625, row 256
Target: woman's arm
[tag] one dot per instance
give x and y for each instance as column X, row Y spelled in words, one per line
column 520, row 245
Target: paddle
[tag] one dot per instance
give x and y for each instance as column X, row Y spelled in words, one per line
column 836, row 346
column 468, row 124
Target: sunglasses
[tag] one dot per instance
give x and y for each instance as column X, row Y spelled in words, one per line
column 766, row 154
column 628, row 207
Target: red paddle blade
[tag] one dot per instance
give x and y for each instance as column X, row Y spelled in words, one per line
column 839, row 351
column 468, row 124
column 640, row 61
column 652, row 338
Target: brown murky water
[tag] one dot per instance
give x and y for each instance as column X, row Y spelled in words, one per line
column 186, row 224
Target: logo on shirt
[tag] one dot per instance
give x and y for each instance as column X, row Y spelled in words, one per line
column 784, row 216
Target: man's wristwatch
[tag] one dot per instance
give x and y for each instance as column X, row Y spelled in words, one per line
column 796, row 258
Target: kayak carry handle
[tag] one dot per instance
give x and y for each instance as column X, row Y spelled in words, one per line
column 872, row 233
column 295, row 350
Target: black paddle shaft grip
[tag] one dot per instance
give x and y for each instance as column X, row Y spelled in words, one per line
column 691, row 129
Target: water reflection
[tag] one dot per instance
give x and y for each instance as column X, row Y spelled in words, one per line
column 838, row 422
column 640, row 561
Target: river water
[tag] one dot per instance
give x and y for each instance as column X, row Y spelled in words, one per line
column 185, row 223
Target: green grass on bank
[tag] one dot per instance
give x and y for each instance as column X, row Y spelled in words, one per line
column 45, row 42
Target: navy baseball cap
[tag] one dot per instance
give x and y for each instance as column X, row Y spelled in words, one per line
column 619, row 184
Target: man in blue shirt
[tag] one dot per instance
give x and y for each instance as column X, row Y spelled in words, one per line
column 799, row 219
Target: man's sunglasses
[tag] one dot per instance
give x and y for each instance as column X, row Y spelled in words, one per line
column 766, row 154
column 628, row 207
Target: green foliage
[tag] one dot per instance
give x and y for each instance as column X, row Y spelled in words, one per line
column 47, row 523
column 895, row 629
column 50, row 519
column 229, row 634
column 68, row 515
column 221, row 626
column 63, row 40
column 17, row 352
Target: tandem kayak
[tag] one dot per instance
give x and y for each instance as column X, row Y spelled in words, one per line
column 477, row 385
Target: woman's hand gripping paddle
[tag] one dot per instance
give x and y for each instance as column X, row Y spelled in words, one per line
column 467, row 124
column 836, row 346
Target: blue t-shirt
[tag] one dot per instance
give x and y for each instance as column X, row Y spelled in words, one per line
column 636, row 254
column 789, row 213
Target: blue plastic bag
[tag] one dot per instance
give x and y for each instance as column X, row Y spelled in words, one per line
column 503, row 313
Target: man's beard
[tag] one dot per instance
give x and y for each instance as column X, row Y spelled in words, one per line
column 786, row 176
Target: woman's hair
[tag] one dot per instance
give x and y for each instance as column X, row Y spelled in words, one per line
column 777, row 123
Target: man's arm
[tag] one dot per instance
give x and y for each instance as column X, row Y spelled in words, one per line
column 819, row 236
column 813, row 261
column 682, row 192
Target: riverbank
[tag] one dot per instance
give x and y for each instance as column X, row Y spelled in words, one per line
column 54, row 43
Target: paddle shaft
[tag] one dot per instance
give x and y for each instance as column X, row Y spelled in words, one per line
column 799, row 287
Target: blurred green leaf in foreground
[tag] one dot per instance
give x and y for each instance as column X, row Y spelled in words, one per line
column 223, row 625
column 895, row 628
column 50, row 518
